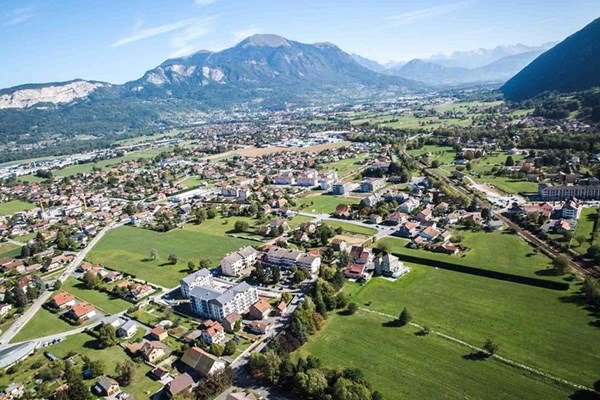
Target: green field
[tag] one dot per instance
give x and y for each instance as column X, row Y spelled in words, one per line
column 585, row 227
column 497, row 251
column 324, row 204
column 351, row 228
column 465, row 107
column 442, row 154
column 545, row 329
column 346, row 166
column 192, row 182
column 402, row 365
column 127, row 249
column 9, row 250
column 13, row 206
column 101, row 300
column 43, row 323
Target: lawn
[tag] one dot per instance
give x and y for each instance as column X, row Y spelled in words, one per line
column 43, row 323
column 497, row 251
column 323, row 204
column 508, row 185
column 346, row 166
column 191, row 182
column 9, row 250
column 13, row 206
column 127, row 249
column 108, row 304
column 351, row 228
column 402, row 365
column 585, row 227
column 545, row 329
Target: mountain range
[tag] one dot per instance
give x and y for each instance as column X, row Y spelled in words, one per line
column 571, row 65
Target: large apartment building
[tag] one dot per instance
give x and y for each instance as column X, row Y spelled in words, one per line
column 238, row 262
column 202, row 277
column 210, row 302
column 287, row 257
column 585, row 189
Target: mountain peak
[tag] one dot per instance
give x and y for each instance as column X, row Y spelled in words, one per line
column 265, row 40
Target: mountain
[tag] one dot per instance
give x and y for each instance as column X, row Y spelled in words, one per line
column 480, row 57
column 571, row 65
column 265, row 69
column 436, row 74
column 53, row 93
column 368, row 63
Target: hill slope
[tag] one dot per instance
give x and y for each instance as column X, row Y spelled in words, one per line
column 573, row 64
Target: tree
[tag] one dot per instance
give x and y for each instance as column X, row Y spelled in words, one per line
column 383, row 247
column 490, row 347
column 90, row 280
column 216, row 349
column 96, row 368
column 124, row 371
column 580, row 239
column 286, row 297
column 211, row 213
column 203, row 263
column 241, row 226
column 191, row 266
column 594, row 252
column 230, row 348
column 201, row 215
column 352, row 308
column 301, row 274
column 561, row 264
column 312, row 383
column 77, row 389
column 237, row 326
column 510, row 162
column 347, row 389
column 597, row 386
column 153, row 254
column 107, row 335
column 172, row 259
column 57, row 284
column 20, row 297
column 404, row 317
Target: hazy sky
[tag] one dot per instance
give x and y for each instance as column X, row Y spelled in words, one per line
column 117, row 40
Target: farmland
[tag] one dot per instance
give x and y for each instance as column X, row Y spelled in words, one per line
column 127, row 249
column 532, row 326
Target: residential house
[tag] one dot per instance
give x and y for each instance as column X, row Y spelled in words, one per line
column 371, row 184
column 342, row 211
column 159, row 333
column 181, row 385
column 259, row 328
column 429, row 234
column 82, row 311
column 230, row 320
column 408, row 206
column 355, row 271
column 202, row 362
column 260, row 309
column 338, row 244
column 390, row 265
column 63, row 300
column 152, row 351
column 128, row 329
column 407, row 230
column 107, row 386
column 214, row 334
column 4, row 309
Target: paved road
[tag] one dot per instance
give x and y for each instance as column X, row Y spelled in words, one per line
column 39, row 302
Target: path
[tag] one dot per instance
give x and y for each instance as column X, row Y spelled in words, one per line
column 496, row 356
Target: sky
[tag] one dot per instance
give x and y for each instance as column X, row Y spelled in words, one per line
column 118, row 40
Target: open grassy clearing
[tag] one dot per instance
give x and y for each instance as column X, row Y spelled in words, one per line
column 585, row 227
column 43, row 323
column 324, row 203
column 192, row 182
column 351, row 228
column 9, row 250
column 149, row 138
column 346, row 166
column 546, row 329
column 402, row 365
column 101, row 300
column 497, row 251
column 464, row 106
column 442, row 154
column 127, row 249
column 25, row 238
column 13, row 206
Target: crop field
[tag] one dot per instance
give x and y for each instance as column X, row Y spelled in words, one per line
column 533, row 326
column 13, row 206
column 128, row 249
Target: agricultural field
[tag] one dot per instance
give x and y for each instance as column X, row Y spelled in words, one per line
column 101, row 300
column 465, row 107
column 13, row 206
column 346, row 166
column 324, row 204
column 533, row 326
column 127, row 249
column 585, row 227
column 442, row 154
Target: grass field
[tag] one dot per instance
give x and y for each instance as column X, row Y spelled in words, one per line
column 101, row 300
column 43, row 323
column 351, row 228
column 9, row 250
column 464, row 106
column 442, row 154
column 192, row 182
column 11, row 207
column 324, row 204
column 545, row 329
column 585, row 227
column 346, row 166
column 402, row 365
column 495, row 251
column 127, row 249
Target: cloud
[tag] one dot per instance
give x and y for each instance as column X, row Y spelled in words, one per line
column 140, row 34
column 186, row 41
column 19, row 16
column 242, row 34
column 426, row 13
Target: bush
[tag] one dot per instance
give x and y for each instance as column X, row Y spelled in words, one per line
column 352, row 308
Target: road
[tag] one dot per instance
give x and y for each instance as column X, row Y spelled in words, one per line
column 14, row 329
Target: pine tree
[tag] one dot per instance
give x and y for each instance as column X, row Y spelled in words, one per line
column 404, row 317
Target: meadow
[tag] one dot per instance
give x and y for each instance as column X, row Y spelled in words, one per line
column 13, row 206
column 585, row 227
column 101, row 300
column 324, row 203
column 128, row 249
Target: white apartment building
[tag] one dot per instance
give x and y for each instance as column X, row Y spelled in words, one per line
column 202, row 277
column 238, row 262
